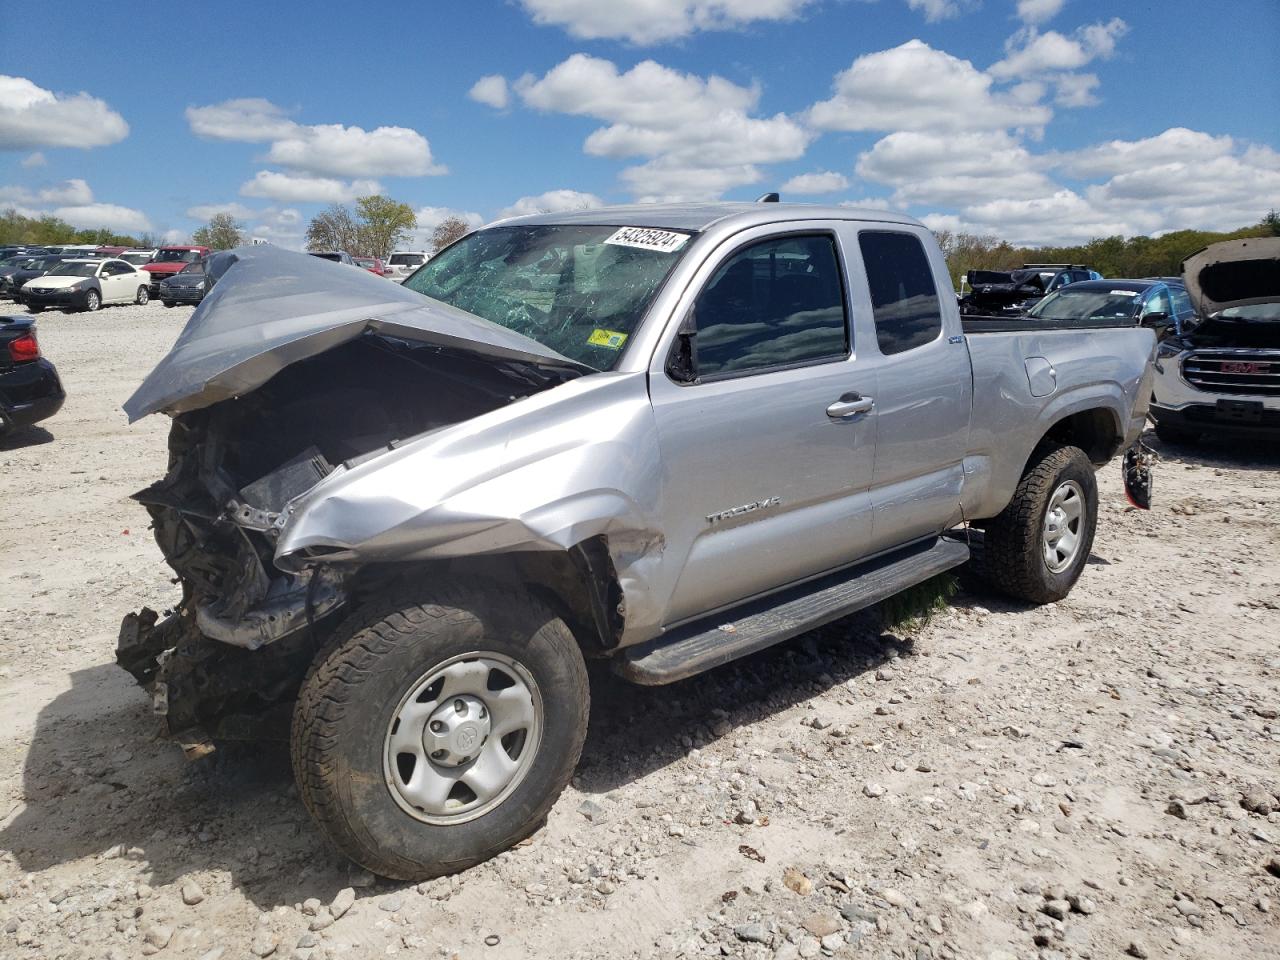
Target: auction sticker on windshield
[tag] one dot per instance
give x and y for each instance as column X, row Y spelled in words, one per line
column 647, row 238
column 607, row 338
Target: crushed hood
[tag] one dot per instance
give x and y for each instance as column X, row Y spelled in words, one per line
column 274, row 307
column 1233, row 273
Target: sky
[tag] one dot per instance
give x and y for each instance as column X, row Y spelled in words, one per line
column 1040, row 121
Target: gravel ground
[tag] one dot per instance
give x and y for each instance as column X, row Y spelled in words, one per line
column 1094, row 778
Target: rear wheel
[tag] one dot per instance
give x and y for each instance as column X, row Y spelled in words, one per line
column 92, row 300
column 435, row 731
column 1177, row 436
column 143, row 296
column 1036, row 548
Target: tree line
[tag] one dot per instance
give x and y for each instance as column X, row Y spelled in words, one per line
column 1130, row 257
column 15, row 228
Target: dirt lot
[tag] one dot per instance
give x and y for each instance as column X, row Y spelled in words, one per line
column 1082, row 780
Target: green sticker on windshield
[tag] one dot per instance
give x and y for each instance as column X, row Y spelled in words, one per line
column 610, row 339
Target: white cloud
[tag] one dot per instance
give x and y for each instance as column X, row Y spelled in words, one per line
column 207, row 211
column 823, row 181
column 491, row 90
column 299, row 188
column 1177, row 144
column 248, row 120
column 354, row 152
column 653, row 21
column 1030, row 53
column 1039, row 11
column 431, row 217
column 915, row 87
column 935, row 10
column 282, row 226
column 34, row 160
column 696, row 132
column 953, row 169
column 68, row 192
column 330, row 149
column 31, row 116
column 1075, row 89
column 553, row 201
column 116, row 218
column 175, row 236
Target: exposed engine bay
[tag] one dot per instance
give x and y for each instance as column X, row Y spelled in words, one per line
column 233, row 469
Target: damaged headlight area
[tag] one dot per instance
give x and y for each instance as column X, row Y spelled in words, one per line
column 234, row 469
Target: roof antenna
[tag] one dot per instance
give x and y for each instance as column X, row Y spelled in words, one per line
column 768, row 198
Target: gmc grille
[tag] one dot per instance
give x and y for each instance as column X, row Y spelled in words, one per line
column 1251, row 372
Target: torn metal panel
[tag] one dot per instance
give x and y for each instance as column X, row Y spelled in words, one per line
column 274, row 307
column 544, row 473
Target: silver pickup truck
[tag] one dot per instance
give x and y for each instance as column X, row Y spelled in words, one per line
column 666, row 436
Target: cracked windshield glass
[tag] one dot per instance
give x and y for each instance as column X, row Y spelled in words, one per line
column 580, row 290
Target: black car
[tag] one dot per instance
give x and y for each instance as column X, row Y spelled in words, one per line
column 30, row 390
column 28, row 269
column 1012, row 293
column 1159, row 302
column 188, row 285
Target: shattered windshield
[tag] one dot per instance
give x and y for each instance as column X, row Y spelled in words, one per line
column 580, row 290
column 1071, row 303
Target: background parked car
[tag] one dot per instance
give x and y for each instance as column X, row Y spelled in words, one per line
column 170, row 260
column 337, row 256
column 403, row 262
column 1219, row 371
column 996, row 293
column 1158, row 302
column 13, row 281
column 188, row 285
column 85, row 284
column 30, row 390
column 138, row 257
column 372, row 264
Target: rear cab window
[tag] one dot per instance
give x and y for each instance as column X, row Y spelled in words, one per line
column 904, row 299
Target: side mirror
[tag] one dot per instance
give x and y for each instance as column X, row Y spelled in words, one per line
column 682, row 364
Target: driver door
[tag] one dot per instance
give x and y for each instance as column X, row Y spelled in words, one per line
column 768, row 454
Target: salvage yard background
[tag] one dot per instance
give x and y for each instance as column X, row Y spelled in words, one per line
column 1087, row 779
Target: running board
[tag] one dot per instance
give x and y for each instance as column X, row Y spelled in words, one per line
column 760, row 623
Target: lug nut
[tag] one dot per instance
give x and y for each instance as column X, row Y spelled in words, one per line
column 436, row 726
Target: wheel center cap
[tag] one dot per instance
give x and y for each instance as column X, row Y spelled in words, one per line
column 456, row 730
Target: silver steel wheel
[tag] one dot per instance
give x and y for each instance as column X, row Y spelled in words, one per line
column 1063, row 522
column 463, row 738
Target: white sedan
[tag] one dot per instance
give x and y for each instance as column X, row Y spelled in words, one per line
column 86, row 285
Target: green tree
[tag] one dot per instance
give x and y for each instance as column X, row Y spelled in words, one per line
column 384, row 225
column 222, row 232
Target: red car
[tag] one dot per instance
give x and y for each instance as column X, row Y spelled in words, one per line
column 372, row 264
column 171, row 260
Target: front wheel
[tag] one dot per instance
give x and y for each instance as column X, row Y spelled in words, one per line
column 143, row 296
column 1036, row 548
column 436, row 731
column 92, row 301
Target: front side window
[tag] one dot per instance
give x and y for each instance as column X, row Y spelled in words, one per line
column 581, row 290
column 904, row 299
column 776, row 303
column 1158, row 302
column 1182, row 308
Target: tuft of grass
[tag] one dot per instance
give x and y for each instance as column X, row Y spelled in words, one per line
column 911, row 610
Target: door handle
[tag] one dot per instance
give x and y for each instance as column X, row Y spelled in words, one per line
column 849, row 406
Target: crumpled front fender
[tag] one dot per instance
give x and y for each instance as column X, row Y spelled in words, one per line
column 544, row 473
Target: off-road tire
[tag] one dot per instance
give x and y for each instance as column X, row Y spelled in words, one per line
column 352, row 690
column 1013, row 553
column 1175, row 436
